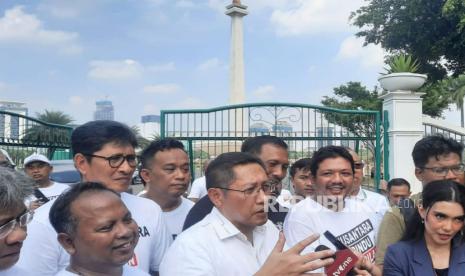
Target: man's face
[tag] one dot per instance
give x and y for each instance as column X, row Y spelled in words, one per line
column 302, row 183
column 10, row 245
column 334, row 177
column 396, row 193
column 99, row 170
column 358, row 174
column 39, row 171
column 246, row 210
column 276, row 162
column 169, row 174
column 427, row 174
column 106, row 234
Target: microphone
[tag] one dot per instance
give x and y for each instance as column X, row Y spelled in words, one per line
column 322, row 247
column 344, row 259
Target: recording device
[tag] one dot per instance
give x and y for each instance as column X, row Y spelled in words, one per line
column 40, row 196
column 344, row 258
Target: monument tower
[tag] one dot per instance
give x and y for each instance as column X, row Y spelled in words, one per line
column 237, row 83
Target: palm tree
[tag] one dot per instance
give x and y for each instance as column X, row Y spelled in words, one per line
column 54, row 117
column 456, row 86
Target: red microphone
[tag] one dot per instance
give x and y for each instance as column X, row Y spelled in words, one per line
column 344, row 259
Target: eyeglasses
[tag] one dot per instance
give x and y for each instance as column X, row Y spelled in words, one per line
column 22, row 220
column 117, row 160
column 359, row 165
column 443, row 171
column 252, row 191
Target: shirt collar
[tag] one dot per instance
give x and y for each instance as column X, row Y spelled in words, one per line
column 225, row 229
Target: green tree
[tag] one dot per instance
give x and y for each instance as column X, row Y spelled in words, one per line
column 141, row 140
column 54, row 117
column 456, row 88
column 429, row 30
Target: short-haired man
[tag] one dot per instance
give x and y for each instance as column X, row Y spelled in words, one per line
column 38, row 167
column 397, row 189
column 273, row 152
column 96, row 229
column 236, row 238
column 435, row 158
column 301, row 180
column 377, row 204
column 104, row 151
column 14, row 216
column 332, row 209
column 165, row 170
column 199, row 186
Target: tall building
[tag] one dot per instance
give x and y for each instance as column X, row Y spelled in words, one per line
column 104, row 110
column 12, row 126
column 149, row 126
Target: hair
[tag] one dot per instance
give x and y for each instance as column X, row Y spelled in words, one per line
column 301, row 164
column 434, row 146
column 147, row 155
column 220, row 172
column 15, row 187
column 94, row 135
column 433, row 192
column 397, row 182
column 253, row 145
column 61, row 217
column 330, row 152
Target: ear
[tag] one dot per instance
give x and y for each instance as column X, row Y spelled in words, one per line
column 145, row 175
column 419, row 174
column 81, row 163
column 67, row 243
column 216, row 196
column 422, row 211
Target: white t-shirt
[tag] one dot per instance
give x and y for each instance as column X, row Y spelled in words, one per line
column 353, row 226
column 175, row 219
column 198, row 189
column 378, row 204
column 214, row 246
column 54, row 190
column 127, row 271
column 285, row 198
column 13, row 271
column 43, row 255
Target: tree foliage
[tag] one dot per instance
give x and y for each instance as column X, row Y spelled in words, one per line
column 429, row 30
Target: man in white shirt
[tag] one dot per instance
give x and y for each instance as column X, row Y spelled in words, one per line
column 14, row 216
column 236, row 238
column 96, row 229
column 199, row 186
column 165, row 170
column 103, row 152
column 38, row 167
column 378, row 204
column 332, row 210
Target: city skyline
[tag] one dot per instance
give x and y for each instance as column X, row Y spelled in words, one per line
column 150, row 55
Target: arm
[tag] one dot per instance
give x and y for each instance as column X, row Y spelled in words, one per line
column 391, row 231
column 161, row 242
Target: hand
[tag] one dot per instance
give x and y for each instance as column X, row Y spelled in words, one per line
column 291, row 262
column 365, row 267
column 35, row 204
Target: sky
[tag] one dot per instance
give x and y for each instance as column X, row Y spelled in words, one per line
column 150, row 55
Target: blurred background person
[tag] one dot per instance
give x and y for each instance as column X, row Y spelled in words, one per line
column 199, row 187
column 397, row 189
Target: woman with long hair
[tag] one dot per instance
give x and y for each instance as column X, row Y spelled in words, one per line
column 432, row 244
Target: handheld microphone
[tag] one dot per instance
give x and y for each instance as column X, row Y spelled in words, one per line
column 344, row 259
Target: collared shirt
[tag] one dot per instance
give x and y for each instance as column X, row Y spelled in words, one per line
column 378, row 204
column 214, row 246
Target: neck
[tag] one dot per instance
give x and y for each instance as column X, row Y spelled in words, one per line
column 167, row 203
column 355, row 191
column 44, row 183
column 101, row 271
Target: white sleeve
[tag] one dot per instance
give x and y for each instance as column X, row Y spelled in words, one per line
column 161, row 243
column 196, row 189
column 296, row 231
column 41, row 253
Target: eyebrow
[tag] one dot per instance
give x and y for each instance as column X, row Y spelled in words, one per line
column 441, row 213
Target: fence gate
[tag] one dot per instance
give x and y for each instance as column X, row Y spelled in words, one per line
column 305, row 128
column 21, row 136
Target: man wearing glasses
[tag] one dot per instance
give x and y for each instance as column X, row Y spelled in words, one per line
column 377, row 204
column 237, row 238
column 435, row 158
column 14, row 216
column 103, row 152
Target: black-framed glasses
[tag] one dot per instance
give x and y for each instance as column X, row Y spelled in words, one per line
column 117, row 160
column 252, row 191
column 443, row 171
column 22, row 220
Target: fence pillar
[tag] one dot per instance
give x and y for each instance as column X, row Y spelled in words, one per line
column 405, row 129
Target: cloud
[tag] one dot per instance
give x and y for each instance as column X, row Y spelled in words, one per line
column 115, row 69
column 264, row 91
column 16, row 26
column 370, row 56
column 3, row 87
column 209, row 64
column 151, row 109
column 184, row 4
column 165, row 89
column 190, row 103
column 170, row 66
column 313, row 16
column 70, row 9
column 76, row 100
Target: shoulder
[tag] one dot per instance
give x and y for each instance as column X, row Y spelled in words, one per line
column 13, row 271
column 139, row 203
column 133, row 271
column 187, row 203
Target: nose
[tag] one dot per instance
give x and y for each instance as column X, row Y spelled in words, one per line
column 16, row 236
column 125, row 168
column 180, row 174
column 450, row 175
column 261, row 196
column 124, row 231
column 447, row 225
